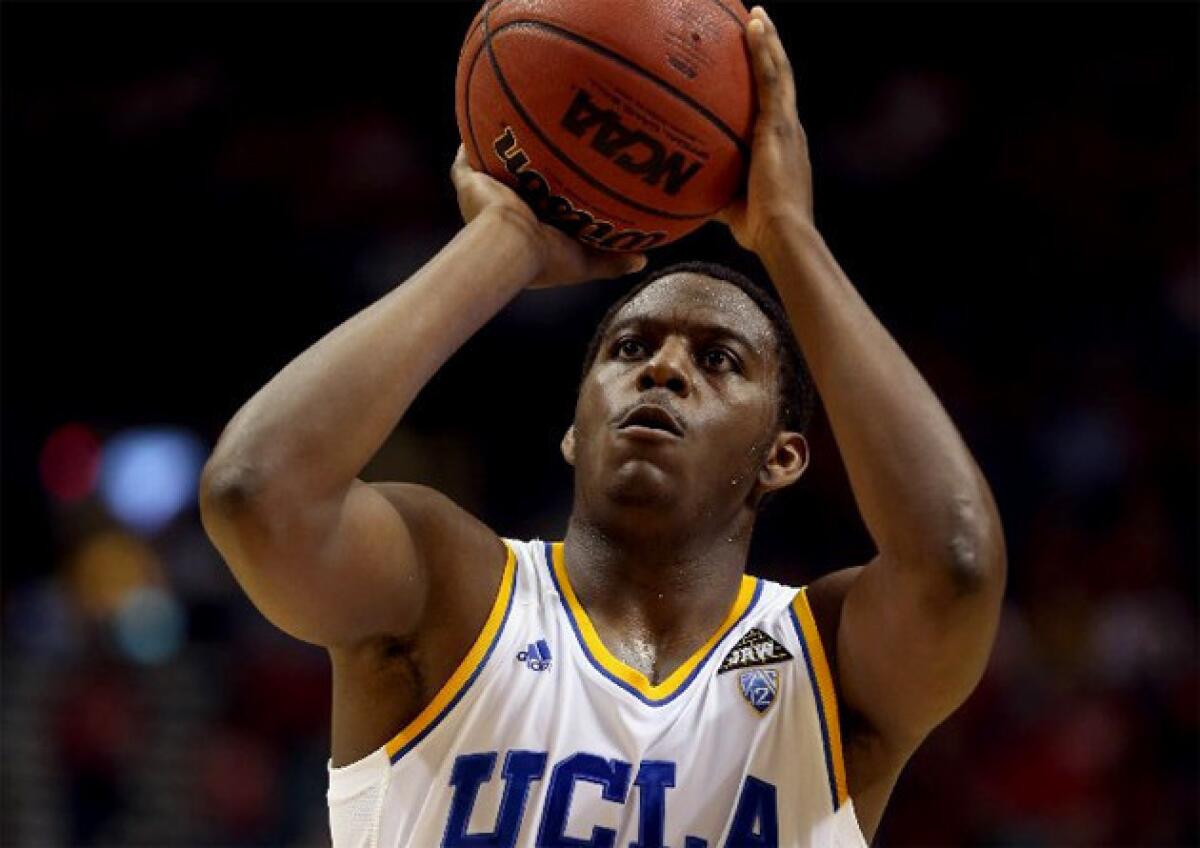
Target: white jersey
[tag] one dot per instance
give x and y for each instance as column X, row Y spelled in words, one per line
column 543, row 737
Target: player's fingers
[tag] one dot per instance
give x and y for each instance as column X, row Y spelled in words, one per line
column 633, row 262
column 763, row 63
column 619, row 264
column 461, row 167
column 784, row 79
column 775, row 44
column 731, row 213
column 769, row 77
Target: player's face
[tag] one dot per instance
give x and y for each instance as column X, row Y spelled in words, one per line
column 680, row 408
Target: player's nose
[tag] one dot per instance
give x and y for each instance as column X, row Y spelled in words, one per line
column 667, row 369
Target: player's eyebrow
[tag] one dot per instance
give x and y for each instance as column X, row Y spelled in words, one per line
column 704, row 328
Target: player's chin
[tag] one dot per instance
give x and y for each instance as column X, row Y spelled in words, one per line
column 645, row 483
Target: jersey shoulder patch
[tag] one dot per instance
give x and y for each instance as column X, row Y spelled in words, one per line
column 753, row 649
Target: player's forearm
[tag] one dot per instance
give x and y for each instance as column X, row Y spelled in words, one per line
column 310, row 430
column 917, row 486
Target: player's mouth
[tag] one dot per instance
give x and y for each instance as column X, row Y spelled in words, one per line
column 651, row 422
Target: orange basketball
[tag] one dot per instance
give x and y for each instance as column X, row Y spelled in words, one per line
column 625, row 123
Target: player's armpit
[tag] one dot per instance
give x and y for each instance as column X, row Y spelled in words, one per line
column 351, row 569
column 909, row 648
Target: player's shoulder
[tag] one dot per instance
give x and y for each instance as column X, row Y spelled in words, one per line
column 441, row 530
column 767, row 617
column 811, row 610
column 825, row 597
column 460, row 559
column 773, row 597
column 540, row 570
column 423, row 503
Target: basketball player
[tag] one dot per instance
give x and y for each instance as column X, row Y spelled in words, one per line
column 630, row 685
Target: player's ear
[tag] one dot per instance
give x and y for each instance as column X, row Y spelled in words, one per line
column 568, row 446
column 785, row 462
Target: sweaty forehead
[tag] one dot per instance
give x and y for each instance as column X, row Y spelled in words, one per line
column 691, row 298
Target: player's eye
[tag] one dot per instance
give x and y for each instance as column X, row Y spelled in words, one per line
column 718, row 359
column 629, row 347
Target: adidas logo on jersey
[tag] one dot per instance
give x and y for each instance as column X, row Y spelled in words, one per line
column 536, row 657
column 755, row 648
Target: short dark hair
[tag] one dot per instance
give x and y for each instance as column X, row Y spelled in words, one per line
column 797, row 394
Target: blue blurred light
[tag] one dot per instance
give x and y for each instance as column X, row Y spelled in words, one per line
column 148, row 475
column 149, row 626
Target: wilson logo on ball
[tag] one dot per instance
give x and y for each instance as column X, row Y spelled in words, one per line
column 558, row 210
column 630, row 149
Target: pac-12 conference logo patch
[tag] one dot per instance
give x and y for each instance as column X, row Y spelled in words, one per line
column 755, row 648
column 760, row 687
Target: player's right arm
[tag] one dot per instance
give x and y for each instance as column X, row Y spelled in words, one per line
column 326, row 557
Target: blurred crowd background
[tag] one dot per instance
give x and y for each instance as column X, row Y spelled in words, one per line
column 193, row 194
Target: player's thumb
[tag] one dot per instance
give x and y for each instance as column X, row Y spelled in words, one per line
column 620, row 264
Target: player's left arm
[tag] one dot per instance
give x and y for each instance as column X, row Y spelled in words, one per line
column 917, row 623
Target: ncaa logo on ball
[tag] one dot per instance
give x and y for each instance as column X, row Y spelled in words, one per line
column 632, row 150
column 558, row 210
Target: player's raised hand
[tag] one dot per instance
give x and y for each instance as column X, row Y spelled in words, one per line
column 563, row 260
column 780, row 182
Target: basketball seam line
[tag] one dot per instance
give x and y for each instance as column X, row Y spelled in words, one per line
column 488, row 33
column 729, row 12
column 732, row 14
column 467, row 102
column 496, row 4
column 471, row 72
column 478, row 25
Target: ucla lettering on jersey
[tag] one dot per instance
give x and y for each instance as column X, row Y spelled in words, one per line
column 542, row 737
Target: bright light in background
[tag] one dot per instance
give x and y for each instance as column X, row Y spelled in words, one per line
column 148, row 475
column 149, row 625
column 107, row 567
column 69, row 463
column 116, row 577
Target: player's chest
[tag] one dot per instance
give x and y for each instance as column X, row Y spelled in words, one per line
column 553, row 744
column 566, row 740
column 552, row 673
column 558, row 755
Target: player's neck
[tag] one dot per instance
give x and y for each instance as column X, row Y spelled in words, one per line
column 671, row 590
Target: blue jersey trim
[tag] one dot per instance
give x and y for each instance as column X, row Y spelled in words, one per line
column 812, row 678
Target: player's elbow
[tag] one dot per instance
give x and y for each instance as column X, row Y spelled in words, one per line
column 237, row 495
column 251, row 527
column 264, row 551
column 974, row 552
column 226, row 490
column 229, row 499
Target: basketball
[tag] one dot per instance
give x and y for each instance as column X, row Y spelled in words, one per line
column 625, row 123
